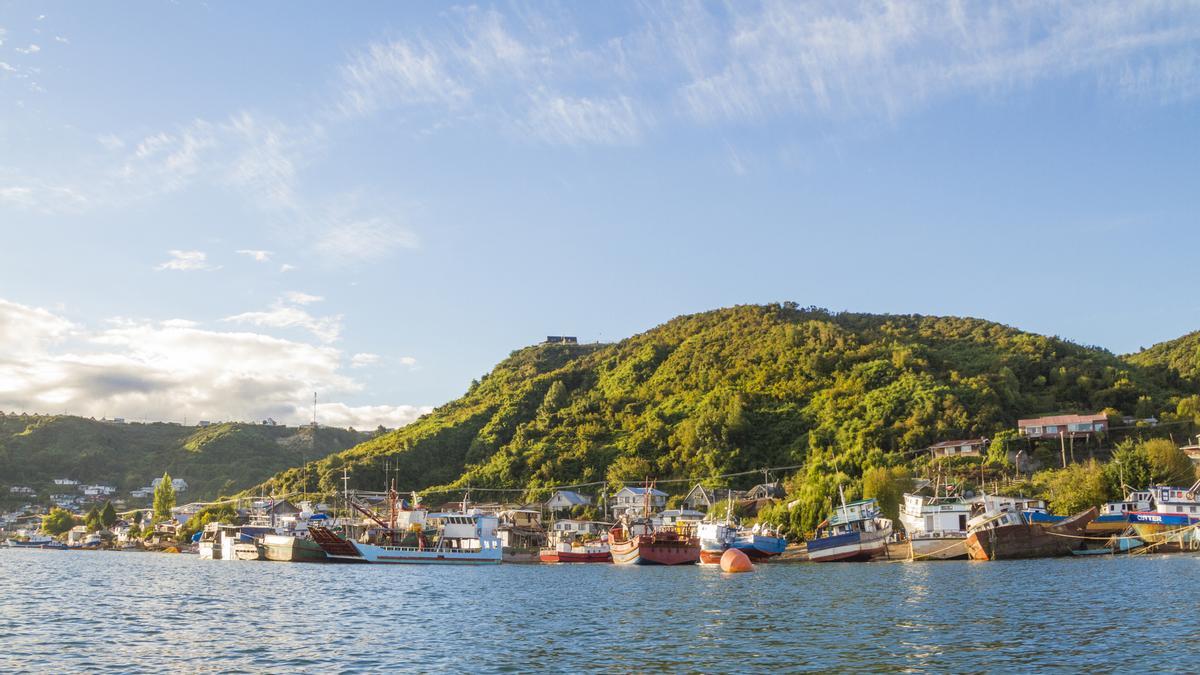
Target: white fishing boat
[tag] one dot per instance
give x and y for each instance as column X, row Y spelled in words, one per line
column 936, row 526
column 451, row 538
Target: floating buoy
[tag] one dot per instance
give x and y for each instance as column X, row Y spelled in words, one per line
column 733, row 560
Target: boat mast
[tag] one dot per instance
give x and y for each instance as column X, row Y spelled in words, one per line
column 845, row 513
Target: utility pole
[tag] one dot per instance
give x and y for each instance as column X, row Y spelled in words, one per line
column 1062, row 439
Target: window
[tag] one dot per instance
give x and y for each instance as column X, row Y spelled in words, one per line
column 1034, row 431
column 1052, row 429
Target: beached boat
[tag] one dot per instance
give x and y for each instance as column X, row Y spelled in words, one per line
column 715, row 537
column 27, row 539
column 1009, row 535
column 571, row 549
column 854, row 532
column 453, row 538
column 1114, row 516
column 639, row 542
column 936, row 526
column 758, row 542
column 247, row 551
column 1171, row 523
column 291, row 548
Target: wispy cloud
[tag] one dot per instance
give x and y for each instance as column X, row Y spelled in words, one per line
column 186, row 261
column 363, row 359
column 256, row 254
column 363, row 240
column 288, row 312
column 31, row 49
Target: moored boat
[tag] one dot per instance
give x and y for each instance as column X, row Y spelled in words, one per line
column 456, row 538
column 936, row 527
column 576, row 551
column 291, row 548
column 1010, row 535
column 854, row 532
column 639, row 542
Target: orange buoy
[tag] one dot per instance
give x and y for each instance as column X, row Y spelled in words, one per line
column 733, row 560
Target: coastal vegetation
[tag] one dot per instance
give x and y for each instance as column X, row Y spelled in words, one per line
column 848, row 400
column 216, row 459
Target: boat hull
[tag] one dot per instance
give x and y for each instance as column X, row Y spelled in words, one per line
column 284, row 548
column 549, row 555
column 649, row 550
column 1013, row 542
column 849, row 546
column 940, row 548
column 1165, row 532
column 343, row 550
column 760, row 547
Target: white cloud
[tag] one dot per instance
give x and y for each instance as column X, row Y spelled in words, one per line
column 407, row 361
column 186, row 261
column 167, row 370
column 363, row 359
column 257, row 255
column 287, row 267
column 298, row 298
column 63, row 40
column 111, row 142
column 573, row 121
column 6, row 68
column 31, row 49
column 284, row 313
column 397, row 73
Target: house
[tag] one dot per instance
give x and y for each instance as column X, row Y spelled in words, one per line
column 632, row 500
column 766, row 491
column 204, row 423
column 561, row 340
column 65, row 481
column 182, row 513
column 98, row 490
column 21, row 490
column 701, row 498
column 521, row 528
column 141, row 493
column 579, row 527
column 1069, row 426
column 676, row 517
column 971, row 447
column 270, row 422
column 179, row 484
column 566, row 499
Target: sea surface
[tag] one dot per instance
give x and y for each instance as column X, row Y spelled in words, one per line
column 65, row 611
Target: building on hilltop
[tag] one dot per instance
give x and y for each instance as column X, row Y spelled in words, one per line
column 179, row 484
column 1069, row 426
column 971, row 447
column 561, row 340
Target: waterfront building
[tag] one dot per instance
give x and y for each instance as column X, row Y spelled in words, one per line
column 1070, row 426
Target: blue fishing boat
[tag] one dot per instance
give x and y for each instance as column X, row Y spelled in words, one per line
column 758, row 543
column 854, row 532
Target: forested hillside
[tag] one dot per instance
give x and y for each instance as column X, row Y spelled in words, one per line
column 741, row 388
column 218, row 459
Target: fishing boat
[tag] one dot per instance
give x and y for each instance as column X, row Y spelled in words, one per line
column 715, row 537
column 640, row 542
column 852, row 533
column 1114, row 516
column 455, row 538
column 759, row 542
column 1010, row 534
column 291, row 548
column 573, row 548
column 636, row 539
column 1171, row 522
column 936, row 526
column 27, row 539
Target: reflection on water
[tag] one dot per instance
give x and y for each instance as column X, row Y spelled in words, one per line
column 63, row 611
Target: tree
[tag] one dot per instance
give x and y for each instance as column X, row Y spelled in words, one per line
column 92, row 520
column 1129, row 470
column 887, row 486
column 998, row 449
column 164, row 499
column 137, row 517
column 58, row 521
column 1168, row 464
column 1075, row 488
column 108, row 515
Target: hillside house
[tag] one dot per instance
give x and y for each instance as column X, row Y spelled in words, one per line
column 565, row 500
column 65, row 481
column 971, row 447
column 700, row 498
column 1192, row 451
column 632, row 500
column 1069, row 426
column 766, row 491
column 179, row 484
column 561, row 340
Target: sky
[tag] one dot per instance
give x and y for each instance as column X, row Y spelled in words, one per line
column 210, row 210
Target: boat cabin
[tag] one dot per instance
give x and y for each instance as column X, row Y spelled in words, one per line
column 928, row 515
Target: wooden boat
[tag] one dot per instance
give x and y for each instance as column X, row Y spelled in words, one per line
column 936, row 526
column 457, row 538
column 576, row 552
column 1010, row 535
column 639, row 542
column 290, row 548
column 855, row 532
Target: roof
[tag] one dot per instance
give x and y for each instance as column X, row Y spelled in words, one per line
column 953, row 444
column 572, row 497
column 1062, row 419
column 641, row 491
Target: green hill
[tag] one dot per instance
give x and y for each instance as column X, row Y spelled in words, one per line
column 742, row 388
column 218, row 459
column 1179, row 357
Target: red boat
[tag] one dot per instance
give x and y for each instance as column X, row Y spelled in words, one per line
column 569, row 554
column 639, row 543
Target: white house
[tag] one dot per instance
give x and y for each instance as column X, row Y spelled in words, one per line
column 565, row 499
column 179, row 484
column 579, row 527
column 632, row 500
column 65, row 481
column 98, row 490
column 21, row 490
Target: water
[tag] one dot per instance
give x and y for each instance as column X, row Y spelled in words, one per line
column 104, row 611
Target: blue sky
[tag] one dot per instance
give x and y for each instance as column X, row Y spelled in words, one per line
column 209, row 210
